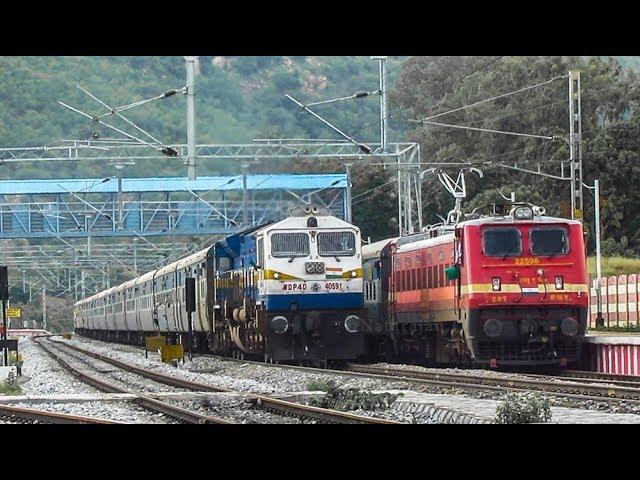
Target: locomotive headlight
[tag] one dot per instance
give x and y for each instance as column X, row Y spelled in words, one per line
column 559, row 282
column 496, row 284
column 276, row 275
column 569, row 326
column 492, row 327
column 354, row 274
column 523, row 213
column 279, row 324
column 352, row 323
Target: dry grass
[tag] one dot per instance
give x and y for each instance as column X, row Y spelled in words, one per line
column 614, row 266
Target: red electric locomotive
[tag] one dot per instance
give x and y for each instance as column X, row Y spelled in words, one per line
column 495, row 290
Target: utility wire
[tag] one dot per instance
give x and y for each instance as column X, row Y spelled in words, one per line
column 475, row 104
column 373, row 189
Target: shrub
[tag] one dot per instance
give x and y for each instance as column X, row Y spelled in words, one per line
column 349, row 398
column 10, row 386
column 523, row 409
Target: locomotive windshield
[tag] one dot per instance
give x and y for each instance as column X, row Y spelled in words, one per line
column 290, row 244
column 549, row 241
column 336, row 244
column 502, row 242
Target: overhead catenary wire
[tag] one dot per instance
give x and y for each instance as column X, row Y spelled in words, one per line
column 497, row 97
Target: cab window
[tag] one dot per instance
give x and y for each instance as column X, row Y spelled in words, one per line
column 336, row 244
column 290, row 244
column 502, row 242
column 549, row 241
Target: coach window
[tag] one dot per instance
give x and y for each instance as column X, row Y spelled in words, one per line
column 502, row 242
column 549, row 241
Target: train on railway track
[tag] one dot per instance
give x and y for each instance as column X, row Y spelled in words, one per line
column 503, row 288
column 289, row 290
column 494, row 290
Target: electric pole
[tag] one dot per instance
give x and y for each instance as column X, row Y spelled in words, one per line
column 382, row 69
column 119, row 168
column 245, row 212
column 347, row 212
column 575, row 141
column 44, row 308
column 191, row 116
column 596, row 193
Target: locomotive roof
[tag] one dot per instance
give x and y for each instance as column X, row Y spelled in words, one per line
column 508, row 219
column 372, row 250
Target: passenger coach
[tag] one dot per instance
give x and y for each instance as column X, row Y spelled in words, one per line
column 290, row 290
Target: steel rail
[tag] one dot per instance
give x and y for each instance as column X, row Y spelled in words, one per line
column 562, row 388
column 145, row 401
column 51, row 417
column 619, row 379
column 284, row 406
column 606, row 392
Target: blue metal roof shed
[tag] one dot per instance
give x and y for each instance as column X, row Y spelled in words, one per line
column 173, row 184
column 91, row 207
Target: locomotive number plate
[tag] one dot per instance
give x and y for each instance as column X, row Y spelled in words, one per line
column 298, row 286
column 313, row 287
column 526, row 261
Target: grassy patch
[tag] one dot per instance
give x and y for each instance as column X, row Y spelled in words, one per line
column 614, row 266
column 523, row 409
column 346, row 399
column 10, row 387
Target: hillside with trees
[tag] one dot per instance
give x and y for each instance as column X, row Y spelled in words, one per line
column 241, row 98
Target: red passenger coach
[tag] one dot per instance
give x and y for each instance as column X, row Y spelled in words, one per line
column 495, row 290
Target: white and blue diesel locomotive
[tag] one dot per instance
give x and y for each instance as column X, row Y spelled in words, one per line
column 290, row 290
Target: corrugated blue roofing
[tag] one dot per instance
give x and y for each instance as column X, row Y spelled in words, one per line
column 173, row 184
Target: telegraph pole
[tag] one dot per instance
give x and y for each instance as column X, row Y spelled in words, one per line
column 191, row 116
column 575, row 141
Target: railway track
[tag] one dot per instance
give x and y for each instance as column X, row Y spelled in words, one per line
column 145, row 401
column 574, row 384
column 571, row 384
column 617, row 379
column 262, row 401
column 581, row 390
column 32, row 415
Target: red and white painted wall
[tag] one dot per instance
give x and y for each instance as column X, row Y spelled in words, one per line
column 612, row 354
column 619, row 301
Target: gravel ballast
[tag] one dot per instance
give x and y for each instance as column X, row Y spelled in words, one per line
column 43, row 375
column 268, row 379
